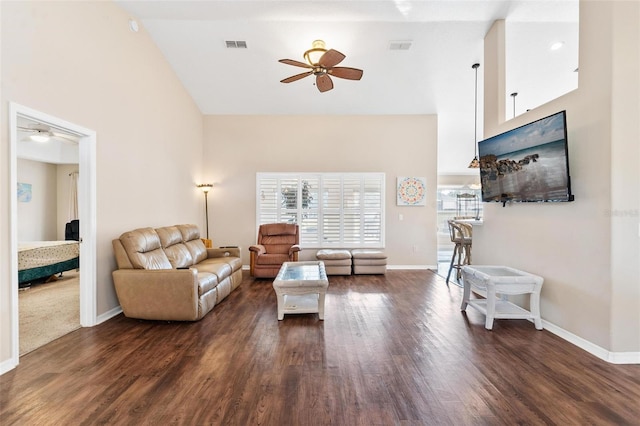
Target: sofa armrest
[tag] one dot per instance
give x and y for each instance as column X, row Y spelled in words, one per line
column 223, row 252
column 159, row 294
column 258, row 249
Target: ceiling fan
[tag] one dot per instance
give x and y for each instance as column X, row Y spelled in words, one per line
column 43, row 133
column 322, row 63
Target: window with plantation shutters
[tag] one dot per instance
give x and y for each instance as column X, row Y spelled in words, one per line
column 343, row 210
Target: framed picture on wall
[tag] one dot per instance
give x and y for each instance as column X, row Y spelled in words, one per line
column 411, row 191
column 24, row 192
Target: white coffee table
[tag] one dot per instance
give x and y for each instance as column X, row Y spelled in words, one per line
column 300, row 288
column 503, row 281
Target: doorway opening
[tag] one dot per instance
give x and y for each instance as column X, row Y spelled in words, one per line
column 86, row 196
column 455, row 202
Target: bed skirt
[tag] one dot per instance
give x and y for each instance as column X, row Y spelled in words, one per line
column 28, row 275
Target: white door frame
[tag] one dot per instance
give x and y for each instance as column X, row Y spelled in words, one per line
column 86, row 210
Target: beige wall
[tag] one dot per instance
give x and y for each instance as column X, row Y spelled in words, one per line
column 78, row 61
column 237, row 147
column 45, row 216
column 586, row 250
column 37, row 218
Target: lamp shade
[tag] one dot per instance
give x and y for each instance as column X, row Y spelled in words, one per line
column 205, row 187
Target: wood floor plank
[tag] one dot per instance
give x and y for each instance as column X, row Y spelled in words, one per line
column 393, row 349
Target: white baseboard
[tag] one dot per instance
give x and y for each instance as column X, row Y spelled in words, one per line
column 592, row 348
column 7, row 365
column 412, row 267
column 108, row 315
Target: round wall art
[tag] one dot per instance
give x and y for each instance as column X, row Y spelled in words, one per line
column 411, row 191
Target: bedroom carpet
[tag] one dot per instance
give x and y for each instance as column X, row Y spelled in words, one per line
column 49, row 311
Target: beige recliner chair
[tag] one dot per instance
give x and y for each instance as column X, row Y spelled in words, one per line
column 277, row 243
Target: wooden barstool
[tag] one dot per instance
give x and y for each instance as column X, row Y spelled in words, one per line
column 461, row 236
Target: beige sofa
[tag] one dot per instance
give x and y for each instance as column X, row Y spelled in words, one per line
column 168, row 274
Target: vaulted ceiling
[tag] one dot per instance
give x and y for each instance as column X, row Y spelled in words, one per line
column 433, row 76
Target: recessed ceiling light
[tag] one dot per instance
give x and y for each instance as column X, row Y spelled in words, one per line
column 556, row 45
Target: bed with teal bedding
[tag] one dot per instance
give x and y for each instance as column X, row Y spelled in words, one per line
column 42, row 259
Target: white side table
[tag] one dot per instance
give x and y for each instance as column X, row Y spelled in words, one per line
column 504, row 281
column 300, row 288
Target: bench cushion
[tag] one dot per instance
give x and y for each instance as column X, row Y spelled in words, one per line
column 330, row 254
column 368, row 254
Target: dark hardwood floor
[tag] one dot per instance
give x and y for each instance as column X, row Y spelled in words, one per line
column 393, row 350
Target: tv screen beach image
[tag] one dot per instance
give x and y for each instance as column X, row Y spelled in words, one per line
column 526, row 164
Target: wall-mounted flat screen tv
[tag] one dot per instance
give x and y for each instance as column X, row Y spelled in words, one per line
column 527, row 164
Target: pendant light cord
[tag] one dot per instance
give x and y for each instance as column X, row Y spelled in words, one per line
column 475, row 118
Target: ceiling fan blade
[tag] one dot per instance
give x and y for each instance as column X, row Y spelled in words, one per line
column 324, row 83
column 346, row 72
column 65, row 137
column 35, row 129
column 295, row 63
column 296, row 77
column 331, row 58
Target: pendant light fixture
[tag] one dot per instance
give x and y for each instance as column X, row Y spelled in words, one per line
column 513, row 95
column 475, row 163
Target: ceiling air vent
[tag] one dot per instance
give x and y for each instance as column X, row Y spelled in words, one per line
column 236, row 44
column 400, row 45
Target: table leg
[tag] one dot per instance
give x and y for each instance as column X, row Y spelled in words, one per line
column 321, row 305
column 491, row 306
column 534, row 306
column 280, row 298
column 465, row 295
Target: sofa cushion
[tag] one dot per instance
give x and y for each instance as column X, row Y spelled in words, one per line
column 189, row 232
column 222, row 270
column 234, row 262
column 206, row 282
column 144, row 249
column 191, row 238
column 176, row 251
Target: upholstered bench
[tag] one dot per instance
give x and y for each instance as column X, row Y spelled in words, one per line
column 336, row 262
column 369, row 261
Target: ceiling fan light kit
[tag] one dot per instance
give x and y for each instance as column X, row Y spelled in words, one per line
column 40, row 137
column 313, row 55
column 322, row 63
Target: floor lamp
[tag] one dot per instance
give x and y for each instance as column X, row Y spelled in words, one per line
column 206, row 187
